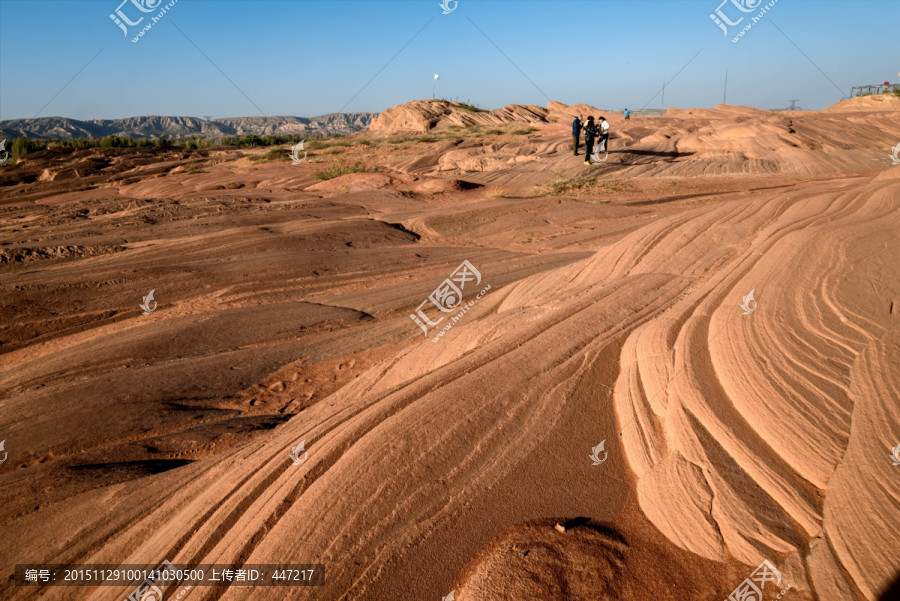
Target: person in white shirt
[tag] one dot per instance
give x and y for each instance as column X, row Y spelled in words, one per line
column 604, row 135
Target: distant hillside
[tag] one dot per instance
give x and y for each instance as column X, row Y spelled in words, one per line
column 179, row 127
column 427, row 115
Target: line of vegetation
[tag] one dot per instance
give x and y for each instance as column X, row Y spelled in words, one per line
column 22, row 146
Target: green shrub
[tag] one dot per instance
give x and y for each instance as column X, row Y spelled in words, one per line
column 22, row 146
column 584, row 181
column 278, row 154
column 342, row 168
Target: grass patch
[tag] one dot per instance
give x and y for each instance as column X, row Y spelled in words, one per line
column 278, row 154
column 496, row 194
column 561, row 184
column 328, row 142
column 585, row 182
column 523, row 132
column 528, row 240
column 612, row 185
column 342, row 168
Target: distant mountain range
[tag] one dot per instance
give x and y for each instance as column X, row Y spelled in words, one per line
column 62, row 128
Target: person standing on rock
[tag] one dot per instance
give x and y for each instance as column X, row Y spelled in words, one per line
column 627, row 114
column 576, row 134
column 604, row 135
column 590, row 132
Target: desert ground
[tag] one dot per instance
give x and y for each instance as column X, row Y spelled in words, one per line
column 613, row 306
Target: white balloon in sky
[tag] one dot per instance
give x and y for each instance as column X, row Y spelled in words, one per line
column 436, row 77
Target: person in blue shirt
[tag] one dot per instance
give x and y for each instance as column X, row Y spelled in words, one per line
column 576, row 134
column 627, row 114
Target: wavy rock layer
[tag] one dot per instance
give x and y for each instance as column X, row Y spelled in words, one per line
column 613, row 315
column 425, row 115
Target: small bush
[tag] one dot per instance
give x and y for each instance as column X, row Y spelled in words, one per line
column 561, row 185
column 343, row 168
column 585, row 182
column 278, row 154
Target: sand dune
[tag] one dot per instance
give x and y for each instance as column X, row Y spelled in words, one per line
column 614, row 314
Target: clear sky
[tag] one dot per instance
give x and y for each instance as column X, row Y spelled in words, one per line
column 230, row 58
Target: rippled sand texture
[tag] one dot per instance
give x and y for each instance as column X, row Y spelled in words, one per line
column 614, row 314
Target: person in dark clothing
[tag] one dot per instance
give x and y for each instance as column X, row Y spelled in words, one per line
column 576, row 134
column 590, row 132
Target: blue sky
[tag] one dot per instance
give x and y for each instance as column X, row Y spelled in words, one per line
column 228, row 58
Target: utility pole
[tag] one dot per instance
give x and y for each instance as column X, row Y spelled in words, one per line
column 725, row 93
